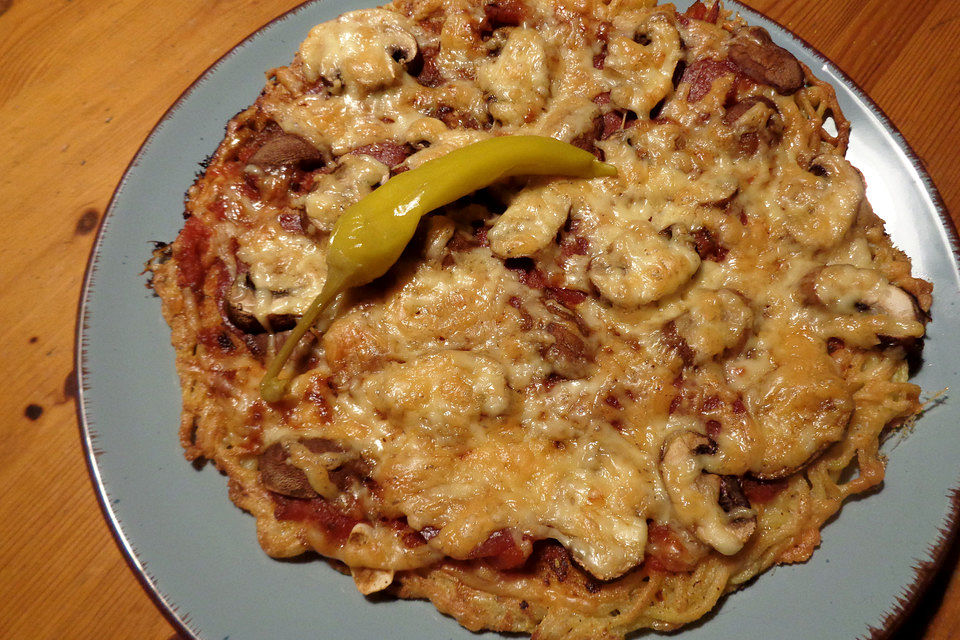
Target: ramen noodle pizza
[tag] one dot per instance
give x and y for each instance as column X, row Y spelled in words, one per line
column 579, row 403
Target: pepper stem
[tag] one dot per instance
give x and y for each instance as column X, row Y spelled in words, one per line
column 272, row 387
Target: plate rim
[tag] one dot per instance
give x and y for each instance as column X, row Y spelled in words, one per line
column 900, row 609
column 949, row 530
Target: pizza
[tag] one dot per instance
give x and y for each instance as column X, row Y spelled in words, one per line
column 574, row 407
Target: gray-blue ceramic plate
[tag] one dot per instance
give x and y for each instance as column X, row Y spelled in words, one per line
column 197, row 554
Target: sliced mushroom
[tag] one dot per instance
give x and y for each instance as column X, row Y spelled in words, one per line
column 757, row 122
column 286, row 149
column 640, row 266
column 802, row 406
column 518, row 79
column 717, row 320
column 818, row 205
column 371, row 580
column 765, row 62
column 732, row 499
column 444, row 393
column 296, row 469
column 280, row 477
column 885, row 311
column 356, row 175
column 239, row 306
column 402, row 47
column 641, row 61
column 752, row 108
column 531, row 222
column 895, row 302
column 360, row 52
column 712, row 505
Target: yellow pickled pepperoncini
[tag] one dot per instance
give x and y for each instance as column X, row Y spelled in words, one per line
column 369, row 236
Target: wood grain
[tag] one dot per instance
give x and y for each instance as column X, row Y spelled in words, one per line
column 82, row 83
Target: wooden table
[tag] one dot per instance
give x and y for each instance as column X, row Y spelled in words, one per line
column 82, row 82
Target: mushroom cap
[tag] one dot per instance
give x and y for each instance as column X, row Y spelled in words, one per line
column 237, row 305
column 713, row 506
column 361, row 51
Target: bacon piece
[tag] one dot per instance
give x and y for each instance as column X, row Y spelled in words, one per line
column 218, row 208
column 557, row 559
column 410, row 537
column 701, row 74
column 216, row 339
column 568, row 354
column 713, row 428
column 316, row 511
column 588, row 141
column 504, row 13
column 603, row 31
column 616, row 120
column 762, row 491
column 675, row 403
column 526, row 320
column 707, row 246
column 249, row 188
column 748, row 144
column 527, row 272
column 189, row 251
column 430, row 75
column 666, row 551
column 676, row 342
column 303, row 181
column 389, row 153
column 291, row 221
column 612, row 122
column 502, row 551
column 601, row 98
column 699, row 11
column 575, row 246
column 712, row 403
column 480, row 234
column 603, row 35
column 455, row 119
column 413, row 538
column 566, row 297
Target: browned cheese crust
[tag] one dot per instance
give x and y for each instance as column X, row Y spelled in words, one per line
column 574, row 408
